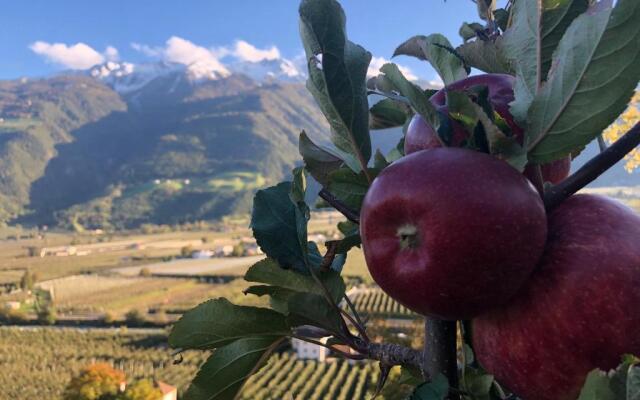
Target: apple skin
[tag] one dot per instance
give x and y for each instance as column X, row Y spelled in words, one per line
column 421, row 136
column 473, row 227
column 579, row 311
column 554, row 172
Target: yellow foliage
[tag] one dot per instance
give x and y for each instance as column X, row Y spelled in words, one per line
column 626, row 121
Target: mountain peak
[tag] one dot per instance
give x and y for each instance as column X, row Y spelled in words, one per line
column 125, row 77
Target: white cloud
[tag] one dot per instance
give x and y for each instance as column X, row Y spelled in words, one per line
column 436, row 82
column 147, row 50
column 378, row 62
column 202, row 61
column 77, row 56
column 248, row 52
column 182, row 51
column 111, row 54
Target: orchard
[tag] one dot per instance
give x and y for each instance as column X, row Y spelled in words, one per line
column 529, row 291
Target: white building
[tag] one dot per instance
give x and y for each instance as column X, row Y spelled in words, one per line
column 202, row 254
column 310, row 351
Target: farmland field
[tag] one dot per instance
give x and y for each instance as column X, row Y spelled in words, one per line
column 37, row 363
column 214, row 266
column 82, row 294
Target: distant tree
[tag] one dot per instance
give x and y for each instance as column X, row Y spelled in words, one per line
column 134, row 318
column 10, row 316
column 143, row 389
column 48, row 314
column 238, row 250
column 108, row 318
column 28, row 280
column 145, row 272
column 33, row 251
column 96, row 382
column 186, row 251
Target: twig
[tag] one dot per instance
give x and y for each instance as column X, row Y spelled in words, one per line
column 601, row 143
column 362, row 331
column 330, row 255
column 351, row 215
column 319, row 343
column 593, row 168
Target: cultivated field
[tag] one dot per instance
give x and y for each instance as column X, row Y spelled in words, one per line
column 38, row 363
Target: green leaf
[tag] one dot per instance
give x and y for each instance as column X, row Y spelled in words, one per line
column 218, row 322
column 436, row 49
column 468, row 31
column 520, row 46
column 221, row 377
column 410, row 376
column 437, row 389
column 485, row 56
column 379, row 160
column 388, row 113
column 557, row 16
column 500, row 145
column 303, row 214
column 597, row 387
column 417, row 97
column 501, row 17
column 594, row 74
column 485, row 8
column 298, row 186
column 633, row 383
column 269, row 272
column 276, row 222
column 349, row 187
column 477, row 382
column 313, row 309
column 278, row 296
column 320, row 162
column 337, row 76
column 462, row 109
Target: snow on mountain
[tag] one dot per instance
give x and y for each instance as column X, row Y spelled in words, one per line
column 126, row 77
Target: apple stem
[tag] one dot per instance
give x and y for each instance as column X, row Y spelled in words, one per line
column 440, row 352
column 351, row 214
column 593, row 168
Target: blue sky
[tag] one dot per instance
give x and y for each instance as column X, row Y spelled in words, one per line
column 30, row 30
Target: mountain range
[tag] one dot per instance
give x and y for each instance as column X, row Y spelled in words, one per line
column 121, row 144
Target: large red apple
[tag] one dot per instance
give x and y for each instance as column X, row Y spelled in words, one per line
column 450, row 232
column 579, row 311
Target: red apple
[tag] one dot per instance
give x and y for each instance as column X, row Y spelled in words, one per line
column 553, row 172
column 450, row 232
column 579, row 311
column 421, row 136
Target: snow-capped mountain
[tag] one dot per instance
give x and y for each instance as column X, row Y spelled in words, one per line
column 126, row 77
column 279, row 69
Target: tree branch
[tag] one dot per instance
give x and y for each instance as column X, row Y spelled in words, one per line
column 440, row 351
column 392, row 354
column 351, row 215
column 593, row 168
